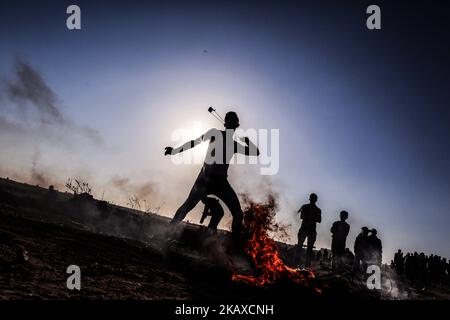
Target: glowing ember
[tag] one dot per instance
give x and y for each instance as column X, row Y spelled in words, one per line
column 269, row 267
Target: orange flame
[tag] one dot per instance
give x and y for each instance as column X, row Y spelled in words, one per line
column 263, row 250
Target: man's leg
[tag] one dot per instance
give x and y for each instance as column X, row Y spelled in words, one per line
column 309, row 249
column 194, row 197
column 215, row 219
column 339, row 254
column 301, row 237
column 226, row 193
column 334, row 254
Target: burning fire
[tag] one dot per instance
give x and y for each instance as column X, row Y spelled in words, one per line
column 263, row 250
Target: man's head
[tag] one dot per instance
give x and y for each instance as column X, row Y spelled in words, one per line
column 365, row 231
column 344, row 215
column 313, row 198
column 374, row 232
column 231, row 120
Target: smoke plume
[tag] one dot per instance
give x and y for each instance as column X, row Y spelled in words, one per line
column 27, row 100
column 29, row 88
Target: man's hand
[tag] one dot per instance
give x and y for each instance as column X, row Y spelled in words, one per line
column 169, row 150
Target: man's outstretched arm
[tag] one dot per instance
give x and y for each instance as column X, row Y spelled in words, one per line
column 188, row 145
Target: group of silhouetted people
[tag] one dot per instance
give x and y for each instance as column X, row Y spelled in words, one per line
column 368, row 247
column 422, row 269
column 368, row 250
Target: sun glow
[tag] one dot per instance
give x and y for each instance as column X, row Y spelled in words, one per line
column 187, row 133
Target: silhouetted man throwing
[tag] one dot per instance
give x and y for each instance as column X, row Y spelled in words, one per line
column 339, row 230
column 310, row 215
column 212, row 178
column 213, row 209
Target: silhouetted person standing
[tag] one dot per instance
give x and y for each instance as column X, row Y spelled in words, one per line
column 339, row 230
column 399, row 261
column 213, row 209
column 409, row 266
column 447, row 267
column 212, row 178
column 374, row 249
column 361, row 246
column 310, row 215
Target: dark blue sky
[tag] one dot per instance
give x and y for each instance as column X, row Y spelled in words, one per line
column 363, row 115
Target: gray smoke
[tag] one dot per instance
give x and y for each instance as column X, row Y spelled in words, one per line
column 35, row 131
column 142, row 191
column 37, row 176
column 29, row 88
column 26, row 93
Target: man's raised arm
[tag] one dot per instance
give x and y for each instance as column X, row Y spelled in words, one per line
column 250, row 149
